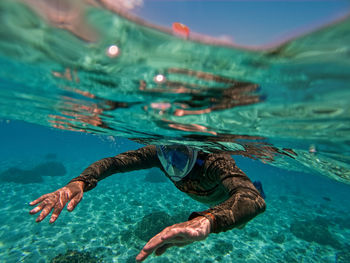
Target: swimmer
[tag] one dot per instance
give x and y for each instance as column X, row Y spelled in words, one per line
column 210, row 178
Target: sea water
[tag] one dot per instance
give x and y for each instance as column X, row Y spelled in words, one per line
column 71, row 95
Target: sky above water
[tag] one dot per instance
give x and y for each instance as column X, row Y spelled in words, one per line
column 252, row 23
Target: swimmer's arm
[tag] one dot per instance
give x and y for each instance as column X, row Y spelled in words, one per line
column 245, row 201
column 142, row 158
column 244, row 204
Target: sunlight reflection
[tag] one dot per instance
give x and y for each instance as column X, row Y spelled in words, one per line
column 113, row 51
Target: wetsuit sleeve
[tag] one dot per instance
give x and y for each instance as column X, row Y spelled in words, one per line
column 244, row 203
column 142, row 158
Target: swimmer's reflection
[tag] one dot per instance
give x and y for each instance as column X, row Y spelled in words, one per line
column 217, row 93
column 206, row 93
column 253, row 147
column 81, row 114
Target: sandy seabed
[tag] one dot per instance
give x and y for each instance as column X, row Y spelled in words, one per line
column 114, row 221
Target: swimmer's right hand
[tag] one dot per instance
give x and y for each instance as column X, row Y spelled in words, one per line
column 72, row 193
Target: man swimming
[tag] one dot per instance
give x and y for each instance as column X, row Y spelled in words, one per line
column 213, row 179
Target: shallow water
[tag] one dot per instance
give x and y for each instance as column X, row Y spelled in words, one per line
column 113, row 221
column 287, row 106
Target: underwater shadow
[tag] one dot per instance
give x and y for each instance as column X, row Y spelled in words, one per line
column 76, row 256
column 315, row 230
column 34, row 175
column 153, row 223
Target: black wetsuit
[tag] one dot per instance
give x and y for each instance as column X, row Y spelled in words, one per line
column 214, row 180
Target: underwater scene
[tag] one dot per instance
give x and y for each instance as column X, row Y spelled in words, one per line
column 85, row 80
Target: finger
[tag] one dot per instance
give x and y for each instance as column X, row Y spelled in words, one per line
column 56, row 212
column 46, row 210
column 156, row 242
column 164, row 237
column 151, row 245
column 74, row 202
column 159, row 251
column 37, row 209
column 40, row 199
column 59, row 205
column 142, row 256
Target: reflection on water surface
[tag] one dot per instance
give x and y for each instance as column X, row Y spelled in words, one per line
column 90, row 66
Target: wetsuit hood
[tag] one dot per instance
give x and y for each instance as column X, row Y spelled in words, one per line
column 177, row 160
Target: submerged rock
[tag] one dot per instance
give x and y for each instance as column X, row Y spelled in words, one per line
column 35, row 175
column 326, row 198
column 315, row 230
column 20, row 176
column 152, row 224
column 222, row 247
column 278, row 238
column 254, row 234
column 50, row 169
column 343, row 256
column 74, row 256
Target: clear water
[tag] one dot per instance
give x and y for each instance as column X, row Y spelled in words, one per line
column 287, row 107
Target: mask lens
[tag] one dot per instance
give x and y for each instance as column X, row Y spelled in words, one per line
column 177, row 160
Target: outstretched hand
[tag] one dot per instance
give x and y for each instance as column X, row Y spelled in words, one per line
column 176, row 235
column 57, row 200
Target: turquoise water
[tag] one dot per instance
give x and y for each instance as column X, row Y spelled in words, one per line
column 307, row 218
column 283, row 113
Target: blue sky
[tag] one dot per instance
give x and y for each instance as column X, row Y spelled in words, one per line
column 246, row 22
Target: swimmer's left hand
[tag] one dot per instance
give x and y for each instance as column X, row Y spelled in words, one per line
column 176, row 235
